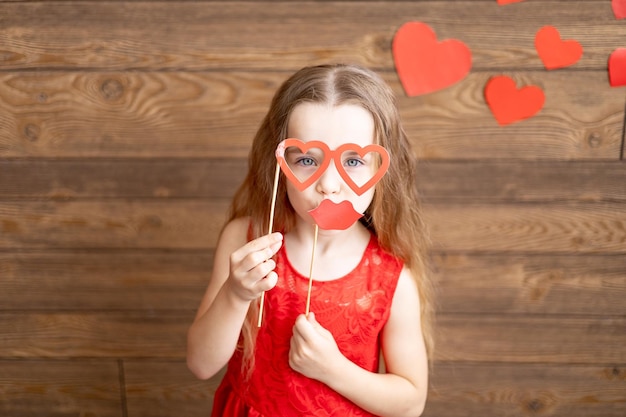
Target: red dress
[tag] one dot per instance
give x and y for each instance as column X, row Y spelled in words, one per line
column 353, row 308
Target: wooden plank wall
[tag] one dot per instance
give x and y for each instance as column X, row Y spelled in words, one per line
column 124, row 128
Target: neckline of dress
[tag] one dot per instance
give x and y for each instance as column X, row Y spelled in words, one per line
column 351, row 273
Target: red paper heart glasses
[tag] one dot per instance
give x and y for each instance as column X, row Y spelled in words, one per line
column 303, row 163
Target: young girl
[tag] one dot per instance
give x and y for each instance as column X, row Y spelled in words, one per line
column 370, row 293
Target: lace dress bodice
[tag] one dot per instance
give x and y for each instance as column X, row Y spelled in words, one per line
column 354, row 308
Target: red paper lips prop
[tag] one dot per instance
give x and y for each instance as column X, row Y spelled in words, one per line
column 333, row 216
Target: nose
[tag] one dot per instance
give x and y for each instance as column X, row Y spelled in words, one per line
column 330, row 181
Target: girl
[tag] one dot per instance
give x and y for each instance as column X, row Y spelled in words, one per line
column 370, row 293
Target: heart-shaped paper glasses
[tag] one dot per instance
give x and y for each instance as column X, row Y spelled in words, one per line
column 303, row 163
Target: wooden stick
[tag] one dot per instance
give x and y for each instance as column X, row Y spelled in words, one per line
column 308, row 296
column 271, row 226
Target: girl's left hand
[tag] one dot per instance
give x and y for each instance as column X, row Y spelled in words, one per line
column 314, row 352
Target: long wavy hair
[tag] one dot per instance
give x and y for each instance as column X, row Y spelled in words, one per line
column 394, row 215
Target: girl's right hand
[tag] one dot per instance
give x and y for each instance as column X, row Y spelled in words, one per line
column 252, row 269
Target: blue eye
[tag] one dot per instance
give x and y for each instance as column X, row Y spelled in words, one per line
column 307, row 162
column 353, row 162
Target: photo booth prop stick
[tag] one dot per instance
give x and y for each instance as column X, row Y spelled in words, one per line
column 271, row 226
column 303, row 163
column 308, row 292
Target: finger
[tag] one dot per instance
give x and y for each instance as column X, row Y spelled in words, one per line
column 304, row 328
column 252, row 254
column 293, row 349
column 268, row 282
column 317, row 326
column 257, row 275
column 244, row 265
column 256, row 245
column 264, row 241
column 313, row 320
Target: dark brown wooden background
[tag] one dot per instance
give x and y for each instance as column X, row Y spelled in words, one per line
column 124, row 128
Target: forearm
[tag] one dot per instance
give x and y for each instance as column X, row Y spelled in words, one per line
column 213, row 337
column 385, row 395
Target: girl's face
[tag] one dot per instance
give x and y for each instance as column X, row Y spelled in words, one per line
column 335, row 126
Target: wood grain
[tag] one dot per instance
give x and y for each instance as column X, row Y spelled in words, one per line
column 593, row 286
column 180, row 224
column 72, row 335
column 124, row 131
column 527, row 339
column 143, row 114
column 153, row 334
column 111, row 281
column 121, row 178
column 35, row 388
column 491, row 390
column 522, row 181
column 214, row 178
column 533, row 228
column 165, row 389
column 195, row 224
column 287, row 35
column 215, row 115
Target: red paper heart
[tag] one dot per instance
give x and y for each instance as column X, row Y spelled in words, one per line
column 425, row 65
column 510, row 104
column 619, row 8
column 554, row 52
column 617, row 67
column 504, row 2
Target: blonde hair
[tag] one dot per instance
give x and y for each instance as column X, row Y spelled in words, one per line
column 394, row 214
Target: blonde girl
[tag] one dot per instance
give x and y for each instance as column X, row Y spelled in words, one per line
column 371, row 295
